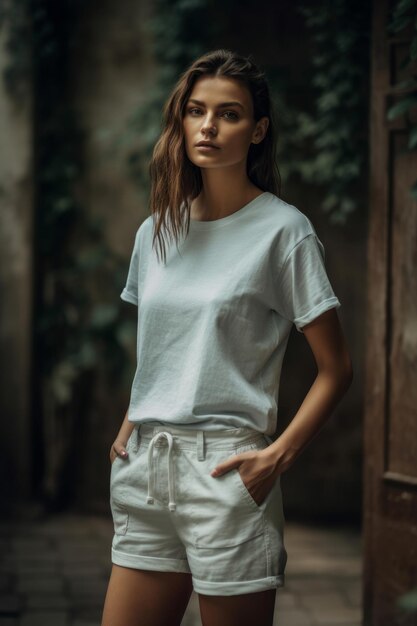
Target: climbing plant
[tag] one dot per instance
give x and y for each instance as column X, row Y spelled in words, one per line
column 16, row 75
column 329, row 139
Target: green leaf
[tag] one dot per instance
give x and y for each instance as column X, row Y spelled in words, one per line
column 403, row 6
column 330, row 202
column 412, row 140
column 398, row 24
column 408, row 601
column 413, row 49
column 87, row 356
column 102, row 315
column 405, row 84
column 402, row 107
column 347, row 205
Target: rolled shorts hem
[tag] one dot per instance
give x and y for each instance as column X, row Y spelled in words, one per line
column 210, row 588
column 155, row 564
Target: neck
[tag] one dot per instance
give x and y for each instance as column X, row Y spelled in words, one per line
column 224, row 192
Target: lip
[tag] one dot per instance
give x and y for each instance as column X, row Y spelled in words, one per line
column 206, row 145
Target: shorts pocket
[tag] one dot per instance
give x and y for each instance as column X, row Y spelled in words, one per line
column 119, row 471
column 230, row 528
column 246, row 493
column 120, row 518
column 118, row 487
column 260, row 444
column 222, row 516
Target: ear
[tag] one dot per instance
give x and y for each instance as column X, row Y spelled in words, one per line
column 260, row 130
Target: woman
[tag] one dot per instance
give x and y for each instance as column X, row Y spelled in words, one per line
column 195, row 476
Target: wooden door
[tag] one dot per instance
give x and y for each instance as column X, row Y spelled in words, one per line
column 390, row 429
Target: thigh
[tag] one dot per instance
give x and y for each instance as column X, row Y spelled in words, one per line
column 241, row 610
column 145, row 598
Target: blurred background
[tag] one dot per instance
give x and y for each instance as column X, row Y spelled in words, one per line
column 82, row 88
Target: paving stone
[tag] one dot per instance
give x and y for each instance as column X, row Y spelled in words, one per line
column 307, row 583
column 192, row 614
column 68, row 559
column 45, row 619
column 5, row 582
column 285, row 600
column 81, row 559
column 47, row 601
column 87, row 586
column 42, row 583
column 88, row 600
column 335, row 616
column 90, row 615
column 292, row 617
column 4, row 546
column 13, row 560
column 10, row 604
column 353, row 593
column 34, row 545
column 77, row 571
column 319, row 564
column 36, row 568
column 314, row 601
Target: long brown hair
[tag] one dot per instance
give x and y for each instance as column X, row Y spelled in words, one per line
column 175, row 180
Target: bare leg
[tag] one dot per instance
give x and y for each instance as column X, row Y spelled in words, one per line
column 145, row 598
column 242, row 610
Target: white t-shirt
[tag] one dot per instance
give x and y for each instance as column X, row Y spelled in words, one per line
column 214, row 322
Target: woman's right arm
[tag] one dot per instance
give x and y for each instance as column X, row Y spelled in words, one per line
column 118, row 447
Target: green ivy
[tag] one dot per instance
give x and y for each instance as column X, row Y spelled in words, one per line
column 327, row 143
column 407, row 602
column 17, row 74
column 404, row 15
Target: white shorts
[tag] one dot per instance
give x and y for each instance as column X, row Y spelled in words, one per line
column 171, row 515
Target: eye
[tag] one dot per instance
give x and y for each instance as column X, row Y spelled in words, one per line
column 231, row 115
column 235, row 115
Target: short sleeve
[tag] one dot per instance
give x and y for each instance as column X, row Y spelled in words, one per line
column 304, row 290
column 130, row 291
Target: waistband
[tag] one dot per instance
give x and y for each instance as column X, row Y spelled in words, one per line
column 188, row 437
column 171, row 436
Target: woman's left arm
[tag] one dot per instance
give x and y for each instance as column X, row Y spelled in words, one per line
column 259, row 469
column 335, row 373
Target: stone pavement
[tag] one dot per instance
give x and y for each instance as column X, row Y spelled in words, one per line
column 54, row 572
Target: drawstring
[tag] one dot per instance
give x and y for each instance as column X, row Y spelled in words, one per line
column 151, row 474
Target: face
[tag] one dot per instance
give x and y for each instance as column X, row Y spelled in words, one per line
column 220, row 110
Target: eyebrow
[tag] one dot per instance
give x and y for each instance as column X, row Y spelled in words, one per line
column 222, row 104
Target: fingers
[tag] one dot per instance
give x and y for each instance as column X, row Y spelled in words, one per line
column 227, row 465
column 118, row 449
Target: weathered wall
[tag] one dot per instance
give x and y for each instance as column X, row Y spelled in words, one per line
column 15, row 288
column 110, row 72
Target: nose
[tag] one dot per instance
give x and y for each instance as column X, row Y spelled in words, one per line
column 208, row 127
